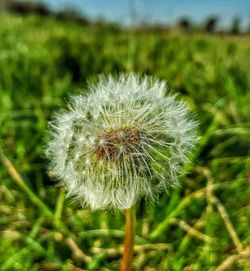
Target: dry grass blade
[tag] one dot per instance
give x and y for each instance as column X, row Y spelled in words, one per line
column 222, row 211
column 228, row 223
column 111, row 252
column 76, row 251
column 191, row 230
column 232, row 259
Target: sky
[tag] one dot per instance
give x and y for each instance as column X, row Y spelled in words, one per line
column 158, row 11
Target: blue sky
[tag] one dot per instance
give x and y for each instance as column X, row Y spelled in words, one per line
column 159, row 11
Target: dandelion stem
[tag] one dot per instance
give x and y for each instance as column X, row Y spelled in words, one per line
column 129, row 240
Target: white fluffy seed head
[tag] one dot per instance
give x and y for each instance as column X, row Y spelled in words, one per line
column 125, row 140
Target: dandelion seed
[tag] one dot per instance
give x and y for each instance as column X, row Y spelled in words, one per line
column 127, row 139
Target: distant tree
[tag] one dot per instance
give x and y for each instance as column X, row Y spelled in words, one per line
column 210, row 24
column 71, row 15
column 28, row 7
column 235, row 29
column 39, row 8
column 4, row 4
column 185, row 24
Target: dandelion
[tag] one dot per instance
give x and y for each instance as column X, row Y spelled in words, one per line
column 127, row 139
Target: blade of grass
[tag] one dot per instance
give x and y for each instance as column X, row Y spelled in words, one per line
column 20, row 182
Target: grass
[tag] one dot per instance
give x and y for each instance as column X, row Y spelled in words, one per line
column 201, row 225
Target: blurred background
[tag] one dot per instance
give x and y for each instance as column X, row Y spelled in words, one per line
column 51, row 49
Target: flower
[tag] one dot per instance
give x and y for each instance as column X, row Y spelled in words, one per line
column 125, row 140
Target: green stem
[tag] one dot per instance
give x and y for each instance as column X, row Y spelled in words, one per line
column 129, row 240
column 59, row 208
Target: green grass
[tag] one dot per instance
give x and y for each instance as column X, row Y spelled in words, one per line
column 42, row 62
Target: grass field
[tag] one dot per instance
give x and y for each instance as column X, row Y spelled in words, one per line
column 202, row 225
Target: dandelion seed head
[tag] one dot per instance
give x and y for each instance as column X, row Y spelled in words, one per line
column 127, row 139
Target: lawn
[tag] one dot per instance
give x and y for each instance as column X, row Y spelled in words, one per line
column 201, row 225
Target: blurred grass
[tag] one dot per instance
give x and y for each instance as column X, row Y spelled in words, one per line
column 202, row 225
